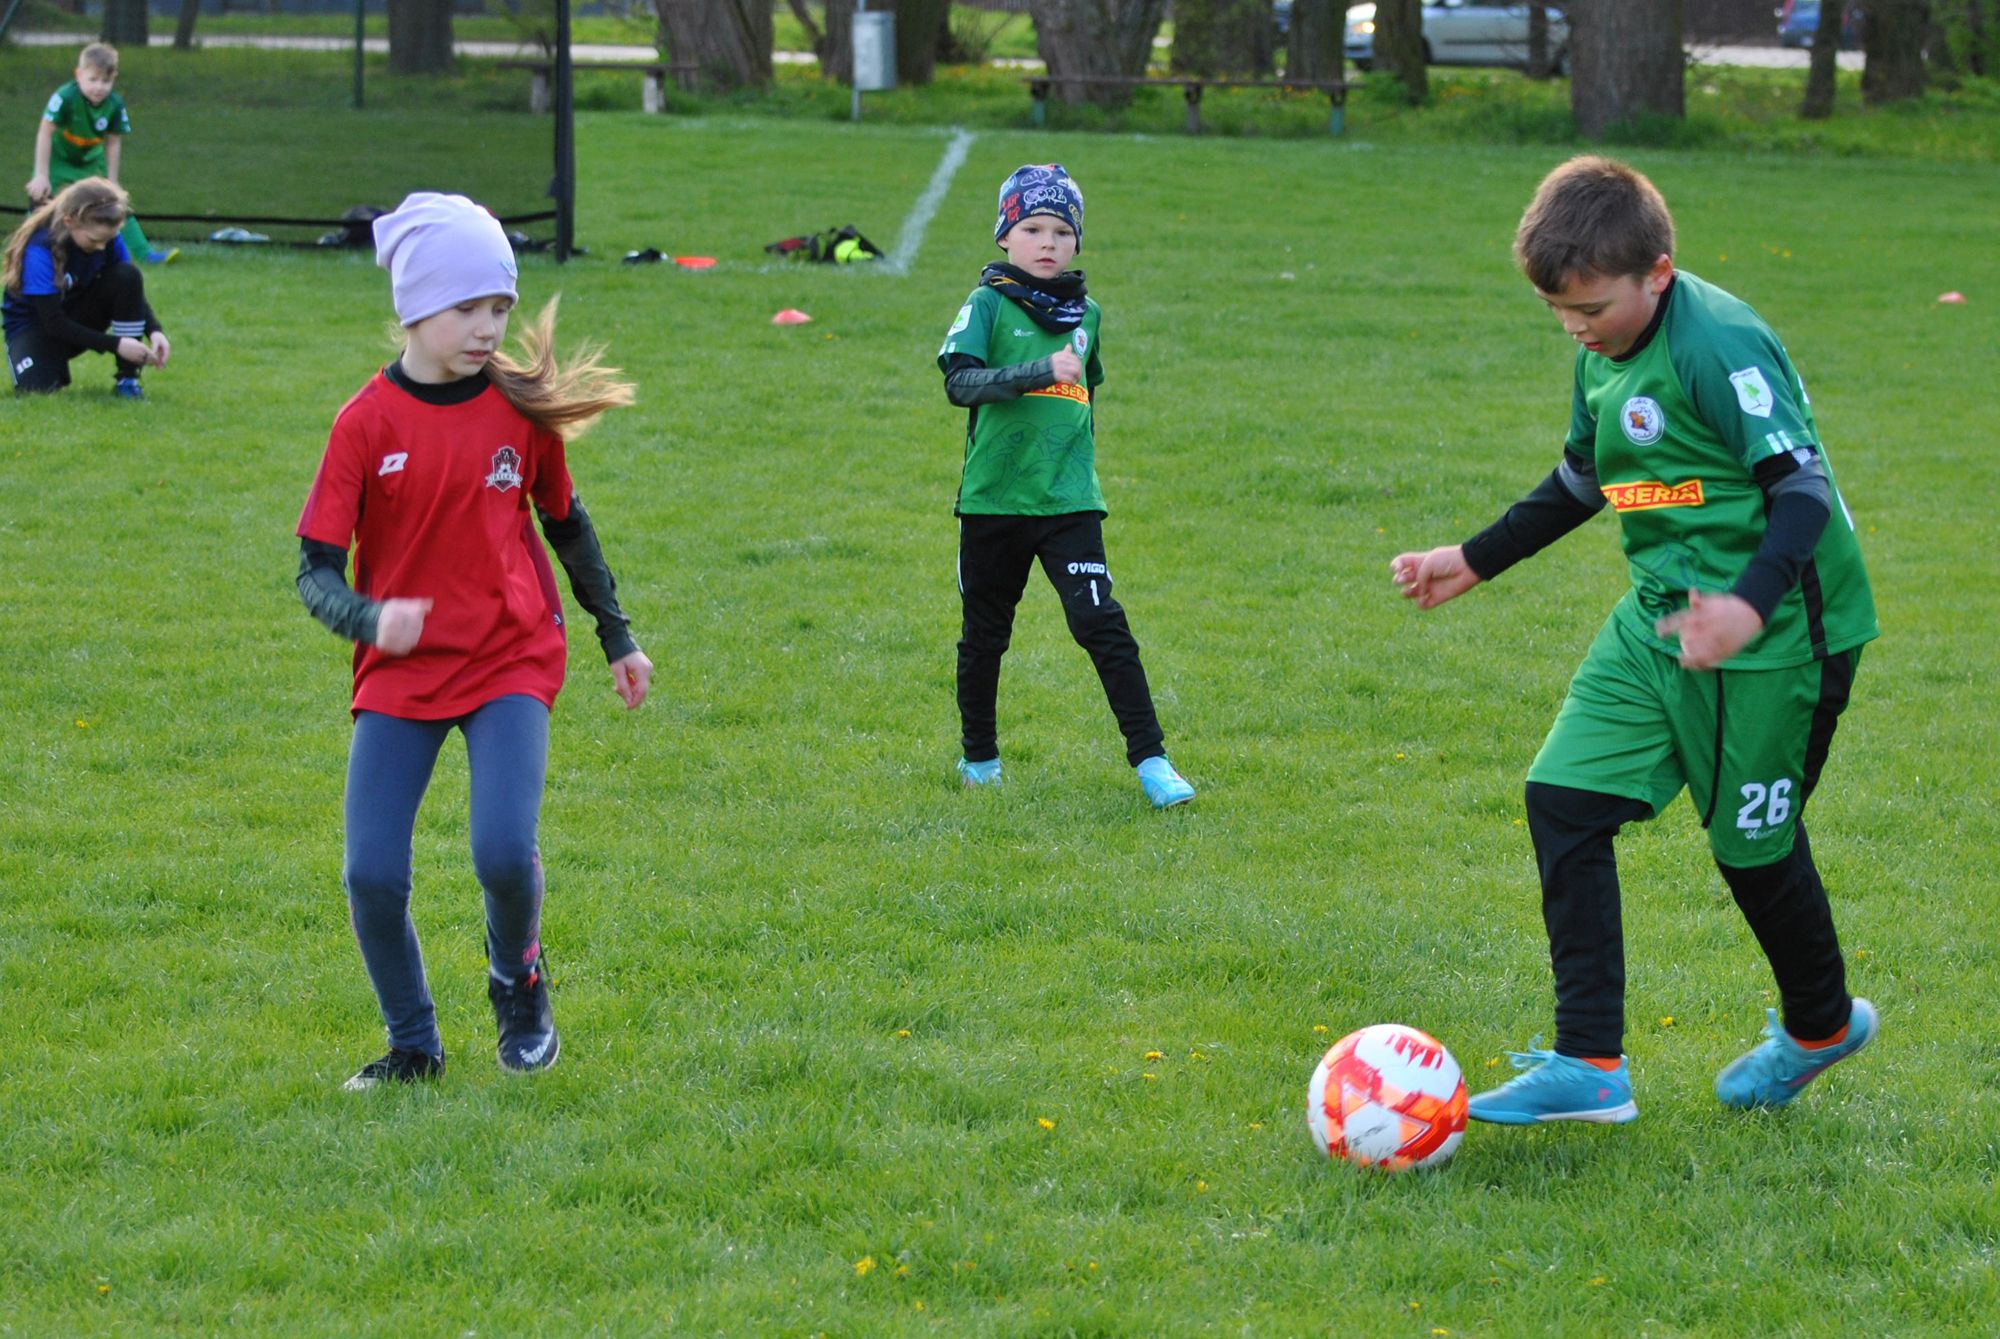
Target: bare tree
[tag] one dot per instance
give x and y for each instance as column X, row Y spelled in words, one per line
column 919, row 26
column 1213, row 37
column 184, row 26
column 1821, row 73
column 420, row 36
column 729, row 39
column 1625, row 61
column 1893, row 37
column 1080, row 38
column 814, row 37
column 1540, row 66
column 1315, row 41
column 1399, row 46
column 125, row 22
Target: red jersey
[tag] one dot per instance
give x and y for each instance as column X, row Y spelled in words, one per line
column 436, row 499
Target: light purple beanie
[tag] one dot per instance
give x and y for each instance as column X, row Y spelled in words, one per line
column 441, row 250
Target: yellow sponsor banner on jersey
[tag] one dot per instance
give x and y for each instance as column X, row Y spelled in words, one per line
column 1064, row 390
column 1648, row 495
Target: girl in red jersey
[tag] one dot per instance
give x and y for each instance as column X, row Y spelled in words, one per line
column 431, row 471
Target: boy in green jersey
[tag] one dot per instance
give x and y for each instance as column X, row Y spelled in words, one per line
column 1021, row 358
column 82, row 134
column 1723, row 670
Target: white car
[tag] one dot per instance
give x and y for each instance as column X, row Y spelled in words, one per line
column 1466, row 32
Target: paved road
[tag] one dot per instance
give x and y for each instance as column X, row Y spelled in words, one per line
column 1767, row 57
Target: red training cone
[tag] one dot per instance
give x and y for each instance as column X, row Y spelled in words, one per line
column 790, row 316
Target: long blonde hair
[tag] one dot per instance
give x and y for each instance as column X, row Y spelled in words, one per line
column 564, row 398
column 92, row 200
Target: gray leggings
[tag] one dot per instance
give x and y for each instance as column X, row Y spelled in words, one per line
column 388, row 770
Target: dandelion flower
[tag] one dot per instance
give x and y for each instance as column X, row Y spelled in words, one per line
column 864, row 1266
column 1154, row 1055
column 1045, row 1122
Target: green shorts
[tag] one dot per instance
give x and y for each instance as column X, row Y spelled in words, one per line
column 1747, row 744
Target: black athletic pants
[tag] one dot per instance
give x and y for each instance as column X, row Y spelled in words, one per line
column 995, row 554
column 40, row 361
column 1785, row 904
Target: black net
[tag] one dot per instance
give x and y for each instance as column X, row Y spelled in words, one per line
column 255, row 136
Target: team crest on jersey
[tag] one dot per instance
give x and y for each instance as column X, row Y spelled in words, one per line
column 1642, row 420
column 1752, row 391
column 506, row 469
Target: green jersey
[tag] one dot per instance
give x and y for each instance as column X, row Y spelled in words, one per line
column 1034, row 456
column 1676, row 431
column 81, row 127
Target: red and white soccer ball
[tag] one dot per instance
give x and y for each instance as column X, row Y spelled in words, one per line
column 1387, row 1096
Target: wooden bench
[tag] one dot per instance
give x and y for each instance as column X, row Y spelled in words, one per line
column 1191, row 87
column 541, row 72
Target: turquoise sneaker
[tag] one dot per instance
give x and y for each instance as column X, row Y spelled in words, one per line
column 1778, row 1069
column 1163, row 785
column 1558, row 1087
column 979, row 773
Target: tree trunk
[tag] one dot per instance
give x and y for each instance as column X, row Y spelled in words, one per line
column 419, row 36
column 1399, row 46
column 1825, row 66
column 1975, row 37
column 837, row 63
column 1219, row 37
column 1893, row 37
column 1625, row 62
column 1314, row 49
column 730, row 40
column 919, row 24
column 1078, row 38
column 1539, row 64
column 184, row 25
column 125, row 23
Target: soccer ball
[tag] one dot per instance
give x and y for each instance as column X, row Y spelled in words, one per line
column 1387, row 1096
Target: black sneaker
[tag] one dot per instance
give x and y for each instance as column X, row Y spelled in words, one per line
column 399, row 1066
column 528, row 1040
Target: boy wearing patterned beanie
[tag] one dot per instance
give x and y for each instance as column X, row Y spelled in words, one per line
column 1022, row 360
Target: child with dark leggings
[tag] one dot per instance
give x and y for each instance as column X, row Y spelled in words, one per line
column 432, row 472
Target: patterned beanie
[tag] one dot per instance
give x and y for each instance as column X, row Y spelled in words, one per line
column 441, row 250
column 1040, row 188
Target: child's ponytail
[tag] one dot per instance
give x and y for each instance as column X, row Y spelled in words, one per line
column 92, row 200
column 562, row 399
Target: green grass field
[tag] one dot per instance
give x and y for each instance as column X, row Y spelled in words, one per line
column 850, row 1051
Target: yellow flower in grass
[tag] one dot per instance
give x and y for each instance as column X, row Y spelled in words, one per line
column 864, row 1266
column 1666, row 1020
column 1045, row 1122
column 902, row 1032
column 1151, row 1056
column 1319, row 1028
column 1150, row 1078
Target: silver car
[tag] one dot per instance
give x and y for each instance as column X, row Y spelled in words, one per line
column 1466, row 32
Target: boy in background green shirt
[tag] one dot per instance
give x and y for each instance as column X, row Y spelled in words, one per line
column 1724, row 669
column 1022, row 360
column 82, row 134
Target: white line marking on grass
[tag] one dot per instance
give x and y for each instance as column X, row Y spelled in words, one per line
column 926, row 207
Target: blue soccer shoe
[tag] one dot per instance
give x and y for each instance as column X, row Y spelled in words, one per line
column 1558, row 1087
column 1777, row 1070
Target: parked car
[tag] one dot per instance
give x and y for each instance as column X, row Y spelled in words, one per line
column 1466, row 32
column 1798, row 20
